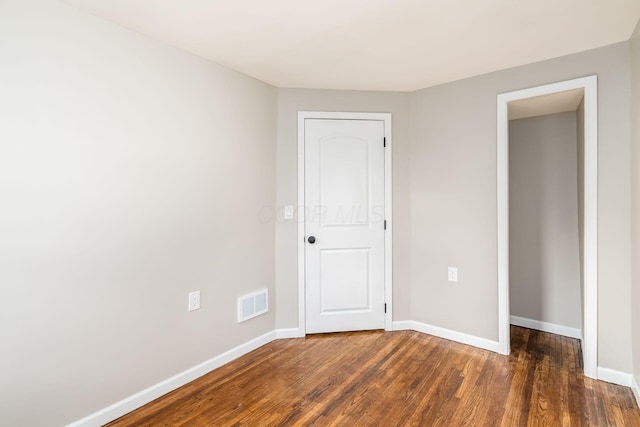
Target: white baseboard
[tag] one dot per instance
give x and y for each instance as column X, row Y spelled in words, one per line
column 615, row 377
column 636, row 389
column 403, row 325
column 456, row 336
column 287, row 333
column 448, row 334
column 145, row 396
column 546, row 327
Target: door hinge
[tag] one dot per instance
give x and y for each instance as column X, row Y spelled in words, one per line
column 385, row 224
column 384, row 141
column 385, row 307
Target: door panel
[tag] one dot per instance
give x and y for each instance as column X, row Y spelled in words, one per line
column 345, row 283
column 344, row 183
column 344, row 199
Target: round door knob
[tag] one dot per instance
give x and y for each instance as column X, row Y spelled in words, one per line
column 311, row 239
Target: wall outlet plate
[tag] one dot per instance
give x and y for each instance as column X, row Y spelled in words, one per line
column 452, row 274
column 194, row 300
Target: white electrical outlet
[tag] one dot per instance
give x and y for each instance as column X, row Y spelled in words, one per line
column 194, row 300
column 453, row 274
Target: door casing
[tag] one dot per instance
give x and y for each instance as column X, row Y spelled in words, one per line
column 590, row 226
column 388, row 199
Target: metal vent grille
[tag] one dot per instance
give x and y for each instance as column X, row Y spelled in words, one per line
column 252, row 305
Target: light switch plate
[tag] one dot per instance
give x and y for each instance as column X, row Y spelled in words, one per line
column 288, row 212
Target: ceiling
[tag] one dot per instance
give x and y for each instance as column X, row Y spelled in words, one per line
column 390, row 45
column 558, row 102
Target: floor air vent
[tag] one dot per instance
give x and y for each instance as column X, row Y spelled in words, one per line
column 253, row 305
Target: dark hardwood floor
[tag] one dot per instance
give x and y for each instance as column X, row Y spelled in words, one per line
column 400, row 378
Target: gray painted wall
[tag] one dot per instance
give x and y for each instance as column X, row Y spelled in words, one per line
column 290, row 101
column 635, row 196
column 544, row 265
column 130, row 174
column 453, row 197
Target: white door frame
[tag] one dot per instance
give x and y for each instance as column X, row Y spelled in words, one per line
column 388, row 276
column 590, row 226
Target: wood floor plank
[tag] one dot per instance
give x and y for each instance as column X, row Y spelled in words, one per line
column 402, row 378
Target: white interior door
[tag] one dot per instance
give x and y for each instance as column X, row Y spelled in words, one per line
column 344, row 225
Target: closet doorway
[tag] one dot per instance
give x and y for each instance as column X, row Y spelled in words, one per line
column 551, row 253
